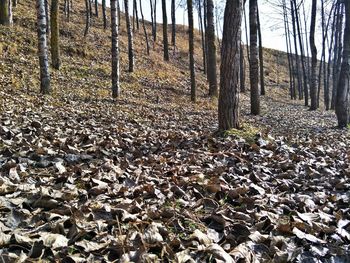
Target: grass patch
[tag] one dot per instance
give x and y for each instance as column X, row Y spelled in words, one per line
column 246, row 132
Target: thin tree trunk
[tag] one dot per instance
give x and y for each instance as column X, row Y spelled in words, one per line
column 96, row 8
column 55, row 47
column 104, row 14
column 254, row 60
column 203, row 38
column 191, row 49
column 136, row 12
column 342, row 108
column 87, row 17
column 246, row 30
column 242, row 68
column 302, row 54
column 130, row 37
column 119, row 13
column 144, row 28
column 47, row 8
column 261, row 58
column 173, row 23
column 228, row 110
column 212, row 71
column 165, row 31
column 115, row 51
column 42, row 48
column 313, row 87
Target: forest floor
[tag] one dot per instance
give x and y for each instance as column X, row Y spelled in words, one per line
column 146, row 178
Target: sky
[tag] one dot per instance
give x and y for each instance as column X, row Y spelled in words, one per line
column 270, row 17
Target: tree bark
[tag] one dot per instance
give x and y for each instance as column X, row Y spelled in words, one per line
column 87, row 17
column 144, row 28
column 242, row 69
column 261, row 58
column 55, row 32
column 104, row 14
column 228, row 110
column 173, row 22
column 203, row 38
column 254, row 60
column 42, row 48
column 130, row 37
column 96, row 8
column 313, row 86
column 212, row 71
column 165, row 31
column 342, row 108
column 5, row 12
column 115, row 50
column 191, row 50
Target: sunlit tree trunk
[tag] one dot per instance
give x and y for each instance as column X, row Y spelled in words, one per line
column 144, row 28
column 115, row 50
column 5, row 12
column 104, row 14
column 228, row 111
column 173, row 24
column 42, row 48
column 261, row 58
column 87, row 17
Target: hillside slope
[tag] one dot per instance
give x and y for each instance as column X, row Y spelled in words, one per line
column 85, row 178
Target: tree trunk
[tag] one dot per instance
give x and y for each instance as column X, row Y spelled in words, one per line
column 261, row 58
column 5, row 12
column 136, row 16
column 165, row 31
column 212, row 72
column 115, row 50
column 228, row 111
column 130, row 37
column 313, row 86
column 144, row 28
column 42, row 48
column 47, row 8
column 302, row 54
column 55, row 32
column 203, row 38
column 342, row 108
column 119, row 13
column 173, row 23
column 96, row 8
column 87, row 17
column 242, row 68
column 246, row 31
column 191, row 49
column 104, row 14
column 254, row 60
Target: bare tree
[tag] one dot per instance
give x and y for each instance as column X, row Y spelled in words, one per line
column 55, row 45
column 228, row 110
column 87, row 17
column 5, row 12
column 42, row 48
column 342, row 108
column 211, row 38
column 144, row 28
column 130, row 37
column 115, row 50
column 313, row 86
column 104, row 14
column 191, row 49
column 165, row 31
column 254, row 60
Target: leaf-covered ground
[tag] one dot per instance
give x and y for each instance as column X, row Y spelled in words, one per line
column 84, row 178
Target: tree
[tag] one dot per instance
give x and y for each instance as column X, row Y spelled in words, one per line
column 230, row 64
column 104, row 14
column 135, row 17
column 130, row 37
column 42, row 48
column 115, row 50
column 173, row 24
column 342, row 107
column 96, row 8
column 5, row 12
column 165, row 31
column 144, row 28
column 87, row 17
column 212, row 77
column 313, row 86
column 254, row 60
column 55, row 45
column 191, row 49
column 261, row 58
